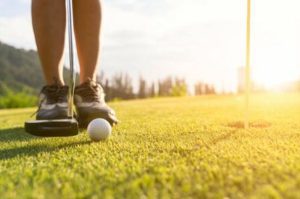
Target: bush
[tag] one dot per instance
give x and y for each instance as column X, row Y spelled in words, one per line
column 17, row 100
column 179, row 90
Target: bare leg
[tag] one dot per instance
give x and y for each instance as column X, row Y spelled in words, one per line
column 49, row 21
column 87, row 24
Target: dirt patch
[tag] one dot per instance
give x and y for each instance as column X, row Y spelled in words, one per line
column 255, row 124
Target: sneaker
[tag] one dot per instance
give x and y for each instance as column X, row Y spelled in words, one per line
column 90, row 104
column 53, row 103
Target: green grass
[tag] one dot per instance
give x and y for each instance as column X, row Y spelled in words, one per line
column 163, row 148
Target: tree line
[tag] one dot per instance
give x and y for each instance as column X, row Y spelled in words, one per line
column 120, row 86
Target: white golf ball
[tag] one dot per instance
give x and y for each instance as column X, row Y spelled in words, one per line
column 99, row 129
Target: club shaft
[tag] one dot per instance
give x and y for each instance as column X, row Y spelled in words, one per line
column 71, row 56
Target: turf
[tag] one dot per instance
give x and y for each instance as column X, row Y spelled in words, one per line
column 191, row 147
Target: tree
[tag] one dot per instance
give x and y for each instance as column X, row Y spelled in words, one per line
column 101, row 78
column 179, row 88
column 151, row 91
column 165, row 87
column 107, row 90
column 142, row 93
column 204, row 89
column 122, row 86
column 199, row 88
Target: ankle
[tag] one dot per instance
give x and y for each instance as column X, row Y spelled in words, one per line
column 55, row 82
column 87, row 79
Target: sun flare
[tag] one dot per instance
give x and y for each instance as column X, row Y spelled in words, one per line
column 275, row 79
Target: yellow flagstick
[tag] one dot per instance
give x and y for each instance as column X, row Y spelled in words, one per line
column 247, row 70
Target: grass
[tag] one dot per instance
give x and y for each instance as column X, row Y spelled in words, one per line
column 191, row 147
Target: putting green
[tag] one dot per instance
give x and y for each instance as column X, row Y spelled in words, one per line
column 163, row 148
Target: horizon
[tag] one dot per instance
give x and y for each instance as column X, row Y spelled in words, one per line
column 204, row 39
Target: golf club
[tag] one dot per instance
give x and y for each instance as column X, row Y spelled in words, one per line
column 62, row 127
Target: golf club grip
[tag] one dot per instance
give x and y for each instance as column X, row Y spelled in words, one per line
column 71, row 56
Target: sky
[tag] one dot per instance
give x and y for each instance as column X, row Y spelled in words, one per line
column 199, row 40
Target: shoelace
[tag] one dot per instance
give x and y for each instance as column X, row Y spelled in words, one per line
column 91, row 92
column 54, row 94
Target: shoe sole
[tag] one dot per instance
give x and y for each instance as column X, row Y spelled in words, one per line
column 84, row 120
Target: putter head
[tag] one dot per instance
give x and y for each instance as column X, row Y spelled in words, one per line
column 52, row 128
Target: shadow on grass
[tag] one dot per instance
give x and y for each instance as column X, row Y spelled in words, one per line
column 15, row 134
column 34, row 150
column 19, row 134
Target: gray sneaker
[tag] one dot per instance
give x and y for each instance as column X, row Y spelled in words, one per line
column 53, row 103
column 90, row 104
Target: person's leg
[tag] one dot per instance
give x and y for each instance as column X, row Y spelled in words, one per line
column 89, row 96
column 49, row 21
column 87, row 24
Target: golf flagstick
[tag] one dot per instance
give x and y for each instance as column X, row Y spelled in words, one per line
column 247, row 68
column 71, row 58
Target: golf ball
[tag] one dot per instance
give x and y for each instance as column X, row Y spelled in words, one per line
column 99, row 129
